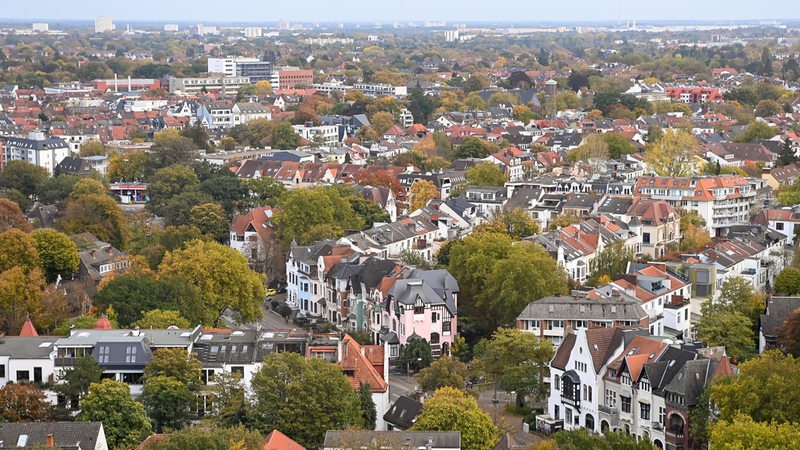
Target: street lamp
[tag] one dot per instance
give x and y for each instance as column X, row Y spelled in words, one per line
column 408, row 369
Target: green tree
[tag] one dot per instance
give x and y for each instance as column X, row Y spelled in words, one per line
column 130, row 166
column 580, row 439
column 17, row 197
column 763, row 390
column 23, row 403
column 264, row 190
column 211, row 438
column 421, row 192
column 787, row 282
column 744, row 433
column 284, row 137
column 737, row 294
column 515, row 222
column 161, row 319
column 132, row 294
column 701, row 420
column 168, row 183
column 786, row 154
column 198, row 134
column 169, row 150
column 517, row 361
column 452, row 410
column 59, row 255
column 766, row 62
column 470, row 147
column 75, row 381
column 210, row 219
column 367, row 211
column 728, row 328
column 756, row 130
column 174, row 363
column 381, row 121
column 231, row 406
column 226, row 190
column 416, row 354
column 124, row 420
column 676, row 154
column 168, row 403
column 303, row 398
column 486, row 174
column 22, row 176
column 223, row 277
column 445, row 371
column 610, row 261
column 307, row 215
column 99, row 215
column 368, row 411
column 618, row 145
column 11, row 216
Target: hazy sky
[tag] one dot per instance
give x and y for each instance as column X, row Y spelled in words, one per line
column 399, row 10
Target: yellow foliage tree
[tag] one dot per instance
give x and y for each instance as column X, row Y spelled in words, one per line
column 421, row 192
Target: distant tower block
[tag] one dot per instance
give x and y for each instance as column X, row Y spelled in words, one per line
column 550, row 87
column 103, row 24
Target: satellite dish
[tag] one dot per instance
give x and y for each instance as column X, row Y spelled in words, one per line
column 269, row 213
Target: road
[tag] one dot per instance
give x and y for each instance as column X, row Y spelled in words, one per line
column 401, row 384
column 269, row 320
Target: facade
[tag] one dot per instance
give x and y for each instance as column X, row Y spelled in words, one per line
column 37, row 149
column 552, row 318
column 722, row 201
column 195, row 85
column 253, row 235
column 291, row 79
column 227, row 66
column 103, row 24
column 659, row 225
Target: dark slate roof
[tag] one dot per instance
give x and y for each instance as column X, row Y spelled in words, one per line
column 35, row 144
column 403, row 412
column 615, row 205
column 124, row 353
column 354, row 439
column 70, row 166
column 65, row 434
column 778, row 310
column 561, row 358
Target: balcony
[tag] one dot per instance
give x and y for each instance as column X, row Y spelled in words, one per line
column 65, row 362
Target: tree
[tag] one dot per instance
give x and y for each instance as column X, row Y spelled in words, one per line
column 518, row 361
column 788, row 281
column 503, row 98
column 23, row 403
column 20, row 297
column 452, row 410
column 87, row 186
column 130, row 166
column 168, row 183
column 168, row 402
column 284, row 136
column 266, row 190
column 768, row 107
column 198, row 133
column 763, row 390
column 420, row 105
column 170, row 149
column 74, row 382
column 11, row 216
column 700, row 419
column 92, row 148
column 563, row 220
column 470, row 147
column 523, row 113
column 367, row 211
column 618, row 145
column 756, row 130
column 22, row 176
column 786, row 154
column 18, row 250
column 789, row 334
column 577, row 80
column 161, row 319
column 223, row 278
column 124, row 420
column 211, row 438
column 737, row 294
column 766, row 62
column 727, row 328
column 515, row 222
column 368, row 411
column 421, row 192
column 58, row 253
column 229, row 400
column 174, row 363
column 676, row 154
column 527, row 271
column 593, row 151
column 210, row 219
column 744, row 433
column 416, row 354
column 445, row 371
column 99, row 215
column 307, row 215
column 611, row 261
column 132, row 294
column 381, row 121
column 17, row 197
column 303, row 398
column 543, row 57
column 580, row 439
column 486, row 174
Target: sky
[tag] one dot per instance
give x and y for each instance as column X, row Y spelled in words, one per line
column 270, row 11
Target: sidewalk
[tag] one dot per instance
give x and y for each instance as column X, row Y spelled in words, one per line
column 507, row 423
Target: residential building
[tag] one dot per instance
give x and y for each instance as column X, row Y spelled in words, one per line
column 782, row 220
column 216, row 114
column 228, row 66
column 421, row 232
column 694, row 95
column 657, row 223
column 63, row 435
column 368, row 365
column 552, row 318
column 304, row 282
column 294, row 78
column 488, row 199
column 402, row 414
column 358, row 439
column 98, row 260
column 36, row 149
column 722, row 201
column 253, row 235
column 245, row 112
column 778, row 309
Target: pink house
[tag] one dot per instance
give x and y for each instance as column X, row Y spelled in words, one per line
column 422, row 304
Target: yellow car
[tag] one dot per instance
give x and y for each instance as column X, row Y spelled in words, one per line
column 271, row 292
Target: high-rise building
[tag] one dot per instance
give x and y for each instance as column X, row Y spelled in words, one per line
column 103, row 24
column 42, row 27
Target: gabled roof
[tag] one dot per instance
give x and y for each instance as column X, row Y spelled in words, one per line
column 561, row 358
column 359, row 366
column 65, row 434
column 403, row 412
column 279, row 441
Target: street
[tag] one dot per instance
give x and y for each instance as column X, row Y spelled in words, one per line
column 401, row 384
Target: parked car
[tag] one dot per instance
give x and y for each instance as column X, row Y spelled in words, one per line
column 271, row 292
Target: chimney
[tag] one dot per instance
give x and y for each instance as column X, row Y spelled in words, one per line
column 51, row 441
column 108, row 249
column 94, row 254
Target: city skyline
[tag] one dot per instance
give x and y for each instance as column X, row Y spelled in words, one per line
column 252, row 11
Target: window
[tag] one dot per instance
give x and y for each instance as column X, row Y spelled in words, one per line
column 579, row 323
column 779, row 226
column 23, row 375
column 611, row 398
column 238, row 369
column 645, row 409
column 103, row 353
column 662, row 415
column 433, row 317
column 626, row 379
column 37, row 374
column 646, row 238
column 556, row 382
column 626, row 404
column 567, row 415
column 130, row 354
column 556, row 324
column 532, row 324
column 587, row 393
column 644, row 385
column 2, row 371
